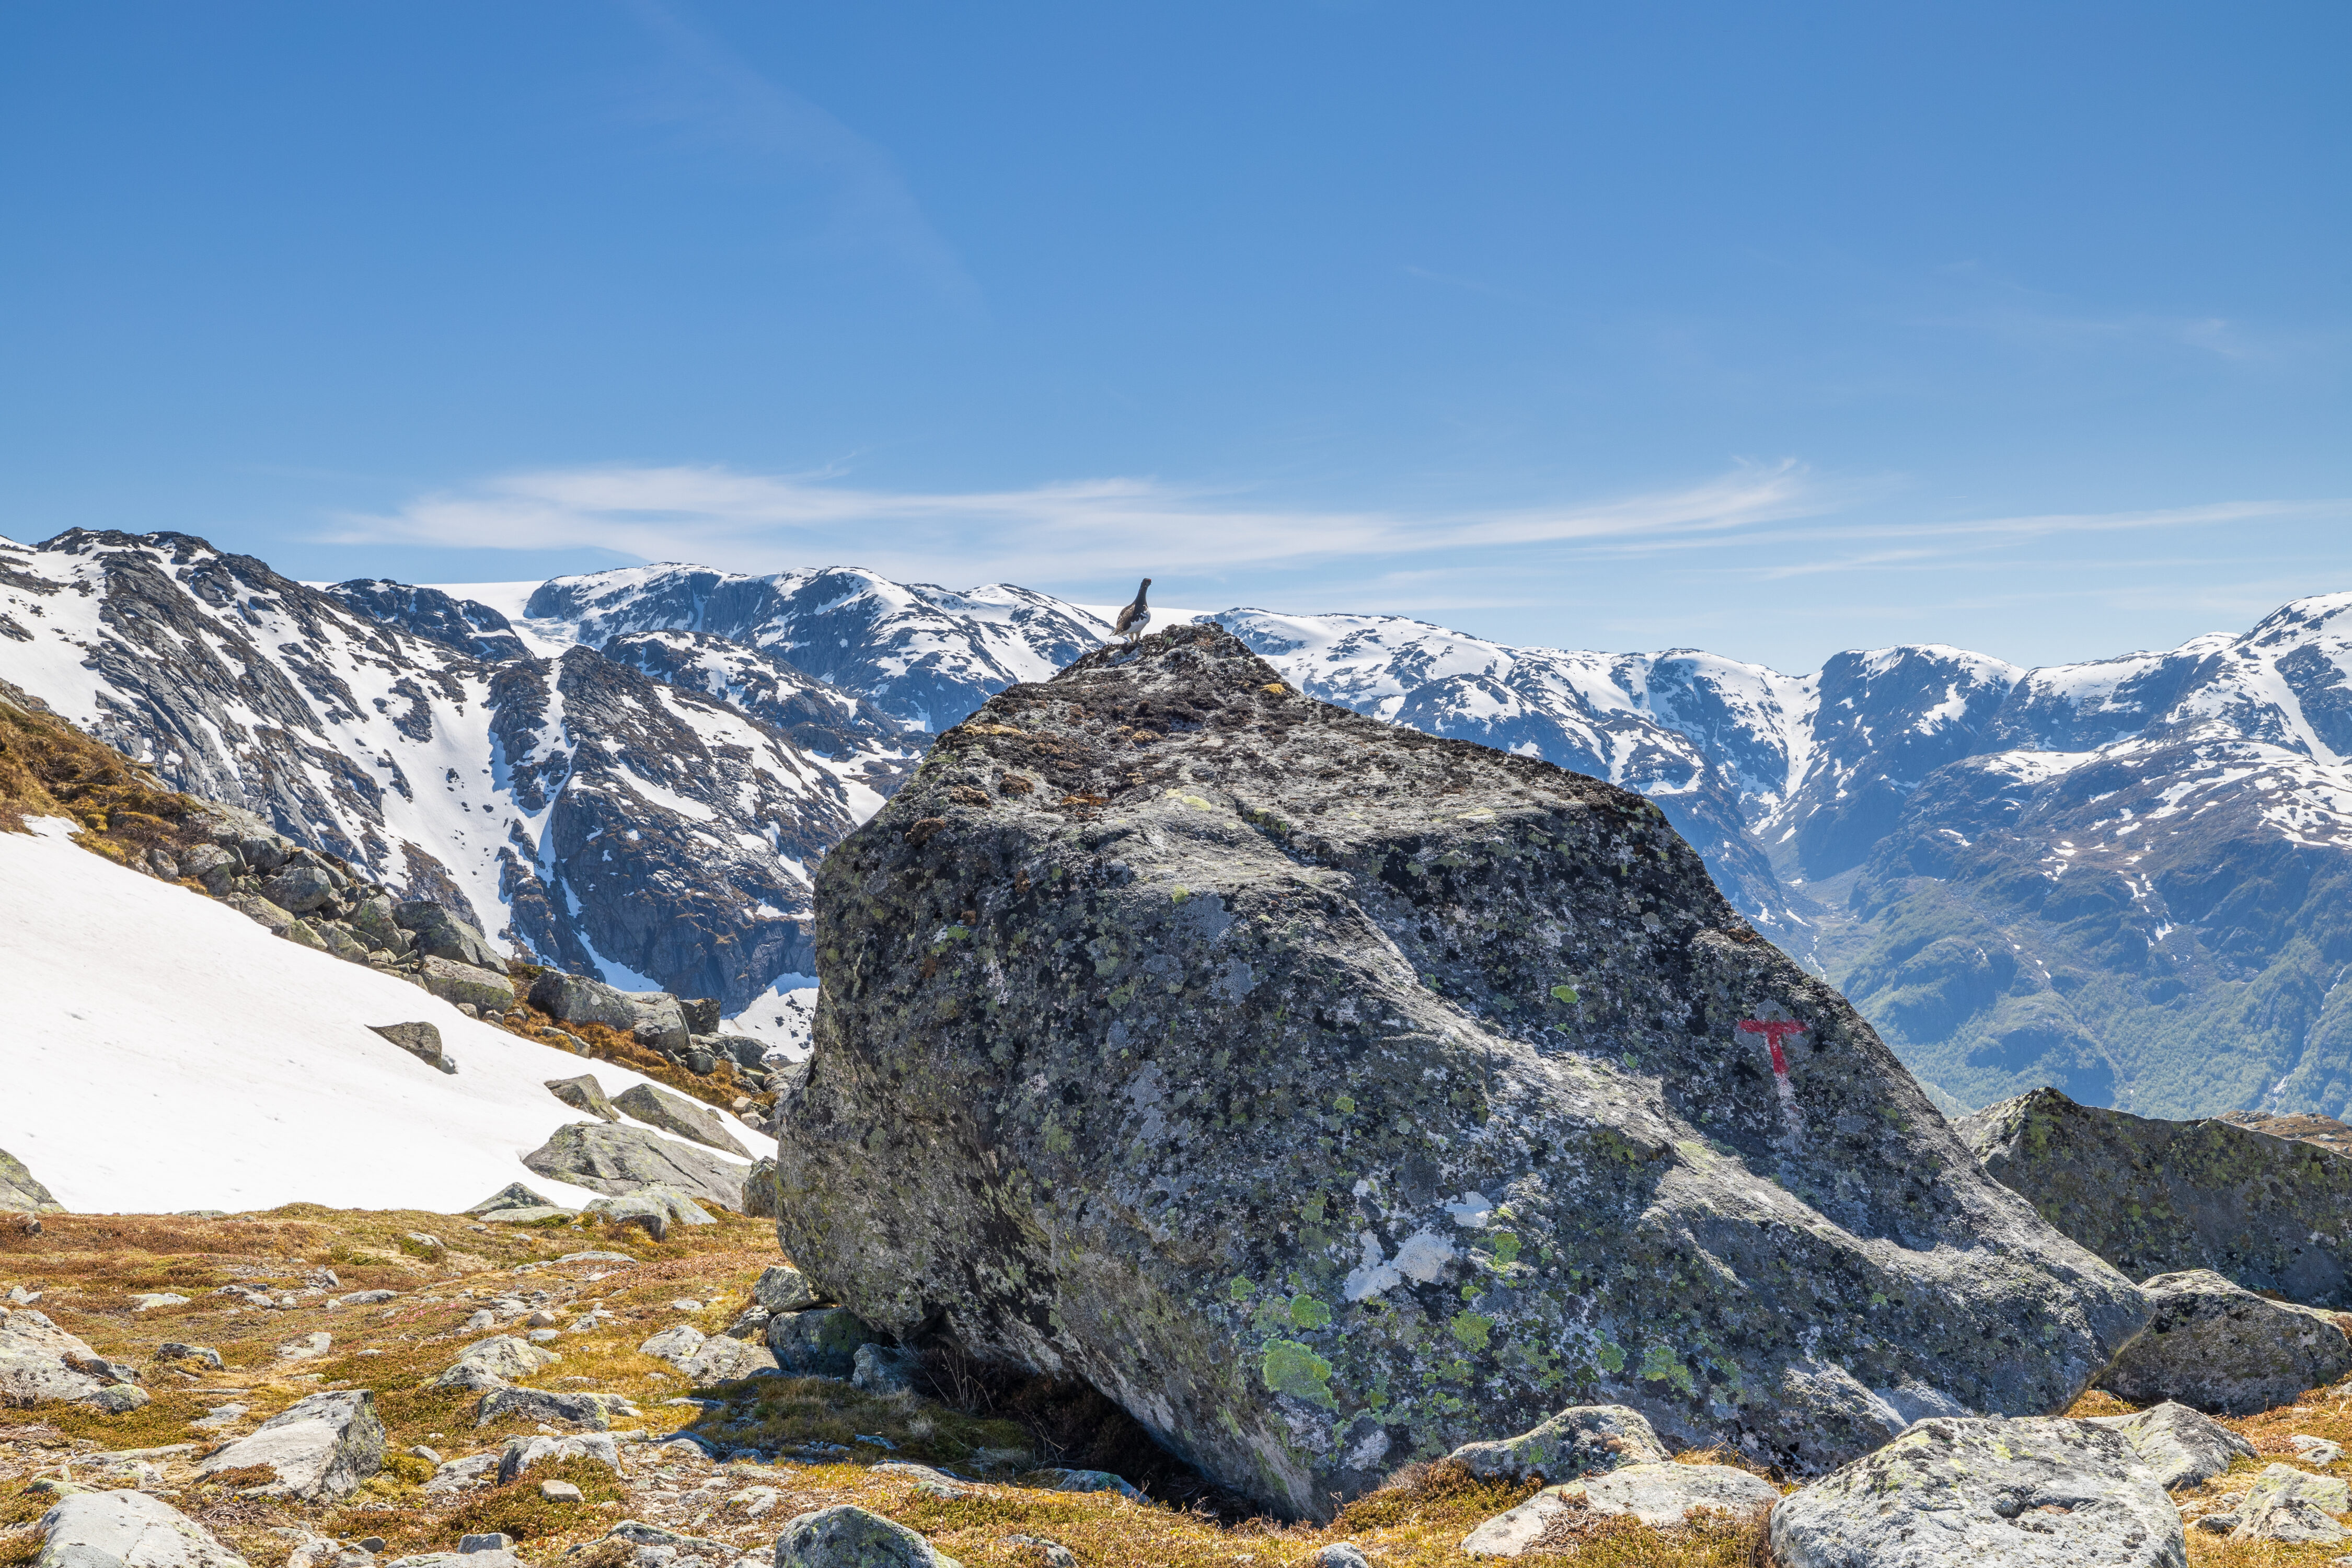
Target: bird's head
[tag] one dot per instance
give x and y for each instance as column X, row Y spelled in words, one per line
column 1147, row 582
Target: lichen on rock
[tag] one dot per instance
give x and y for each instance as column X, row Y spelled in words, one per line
column 1330, row 1094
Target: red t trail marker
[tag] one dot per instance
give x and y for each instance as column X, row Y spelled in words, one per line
column 1773, row 1029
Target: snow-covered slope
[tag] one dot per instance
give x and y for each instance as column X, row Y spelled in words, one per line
column 924, row 655
column 601, row 819
column 163, row 1052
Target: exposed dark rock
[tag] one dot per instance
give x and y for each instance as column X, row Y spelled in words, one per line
column 659, row 1108
column 1329, row 1096
column 513, row 1195
column 1583, row 1439
column 846, row 1536
column 817, row 1342
column 2158, row 1198
column 2224, row 1350
column 465, row 625
column 2052, row 1491
column 444, row 935
column 616, row 1160
column 574, row 999
column 701, row 1015
column 421, row 1041
column 759, row 1190
column 457, row 983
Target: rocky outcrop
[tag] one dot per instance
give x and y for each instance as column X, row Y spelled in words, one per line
column 708, row 1359
column 583, row 1093
column 653, row 1210
column 658, row 1108
column 40, row 1364
column 2052, row 1491
column 604, row 1158
column 1328, row 1096
column 2292, row 1507
column 127, row 1530
column 845, row 1536
column 2160, row 1197
column 462, row 985
column 1660, row 1495
column 465, row 625
column 594, row 1412
column 2226, row 1350
column 322, row 1447
column 500, row 1359
column 522, row 1453
column 20, row 1192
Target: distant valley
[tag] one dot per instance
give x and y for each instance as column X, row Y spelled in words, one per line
column 2125, row 878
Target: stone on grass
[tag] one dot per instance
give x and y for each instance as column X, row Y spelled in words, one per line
column 456, row 1475
column 583, row 1093
column 929, row 1481
column 708, row 1358
column 558, row 1491
column 1661, row 1495
column 846, row 1536
column 2178, row 1446
column 202, row 1355
column 1339, row 1554
column 465, row 984
column 821, row 1342
column 488, row 1541
column 1065, row 1481
column 1583, row 1439
column 127, row 1530
column 1362, row 1024
column 2216, row 1347
column 513, row 1195
column 651, row 1209
column 501, row 1357
column 593, row 1411
column 521, row 1454
column 2314, row 1450
column 322, row 1447
column 2293, row 1508
column 671, row 1113
column 1962, row 1490
column 608, row 1158
column 20, row 1192
column 781, row 1288
column 879, row 1369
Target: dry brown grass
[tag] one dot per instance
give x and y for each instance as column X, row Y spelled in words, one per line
column 49, row 768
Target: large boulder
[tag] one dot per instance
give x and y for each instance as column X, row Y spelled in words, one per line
column 2162, row 1197
column 709, row 1358
column 468, row 983
column 322, row 1447
column 40, row 1364
column 654, row 1018
column 420, row 1040
column 1330, row 1094
column 583, row 1093
column 603, row 1158
column 441, row 935
column 672, row 1113
column 487, row 1364
column 2226, row 1350
column 20, row 1192
column 847, row 1536
column 2067, row 1494
column 2178, row 1446
column 127, row 1530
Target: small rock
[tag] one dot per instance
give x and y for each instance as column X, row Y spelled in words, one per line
column 512, row 1196
column 521, row 1454
column 878, row 1369
column 935, row 1483
column 845, row 1536
column 616, row 1160
column 148, row 1303
column 2292, row 1507
column 583, row 1093
column 442, row 935
column 783, row 1289
column 420, row 1451
column 1656, row 1494
column 540, row 1318
column 480, row 1319
column 686, row 1305
column 309, row 1347
column 2222, row 1349
column 558, row 1491
column 1058, row 1555
column 456, row 1475
column 651, row 1209
column 1583, row 1439
column 1966, row 1483
column 372, row 1543
column 1339, row 1554
column 420, row 1040
column 365, row 1299
column 502, row 1357
column 492, row 1542
column 542, row 1336
column 2314, row 1450
column 202, row 1355
column 593, row 1411
column 2176, row 1445
column 1063, row 1480
column 466, row 983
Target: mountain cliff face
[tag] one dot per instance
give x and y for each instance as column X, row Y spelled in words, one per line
column 600, row 818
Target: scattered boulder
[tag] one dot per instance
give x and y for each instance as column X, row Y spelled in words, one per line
column 440, row 934
column 701, row 1013
column 1955, row 1489
column 2176, row 1445
column 759, row 1190
column 615, row 1159
column 126, row 1530
column 819, row 1342
column 1325, row 1125
column 560, row 1491
column 202, row 1355
column 651, row 1209
column 2224, row 1350
column 576, row 999
column 2313, row 1450
column 465, row 984
column 501, row 1357
column 20, row 1192
column 1660, row 1495
column 420, row 1040
column 2293, row 1508
column 659, row 1108
column 522, row 1453
column 303, row 888
column 1584, row 1439
column 1066, row 1480
column 322, row 1447
column 583, row 1093
column 40, row 1364
column 2163, row 1197
column 781, row 1287
column 660, row 1024
column 708, row 1359
column 846, row 1536
column 458, row 1475
column 593, row 1411
column 515, row 1204
column 879, row 1369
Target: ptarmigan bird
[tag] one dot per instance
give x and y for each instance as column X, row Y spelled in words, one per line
column 1135, row 617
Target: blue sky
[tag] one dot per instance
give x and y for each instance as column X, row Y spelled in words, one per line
column 1766, row 330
